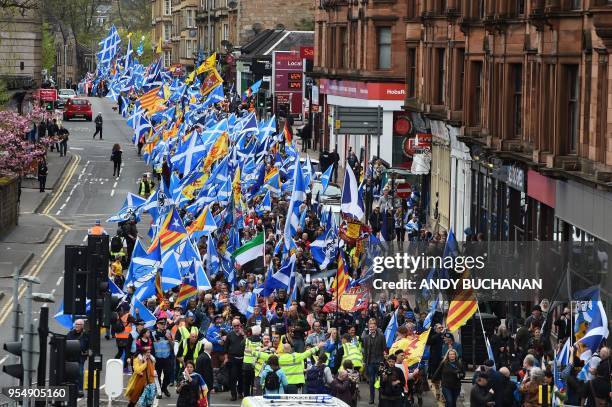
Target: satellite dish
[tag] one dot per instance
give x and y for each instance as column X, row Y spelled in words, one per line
column 257, row 27
column 232, row 4
column 280, row 27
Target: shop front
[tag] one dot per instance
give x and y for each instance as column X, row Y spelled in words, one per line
column 388, row 95
column 541, row 192
column 499, row 200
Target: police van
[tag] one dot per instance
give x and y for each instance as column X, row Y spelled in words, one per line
column 293, row 400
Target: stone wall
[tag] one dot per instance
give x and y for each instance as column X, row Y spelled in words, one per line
column 9, row 207
column 264, row 14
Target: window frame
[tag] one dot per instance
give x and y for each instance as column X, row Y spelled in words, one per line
column 379, row 45
column 411, row 71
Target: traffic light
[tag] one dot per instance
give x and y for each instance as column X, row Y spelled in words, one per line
column 270, row 105
column 16, row 370
column 64, row 357
column 282, row 110
column 75, row 280
column 97, row 265
column 49, row 106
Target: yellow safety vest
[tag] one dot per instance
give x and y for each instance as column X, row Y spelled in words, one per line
column 185, row 333
column 352, row 353
column 196, row 351
column 249, row 349
column 260, row 359
column 293, row 365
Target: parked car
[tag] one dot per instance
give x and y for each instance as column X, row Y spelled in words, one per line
column 63, row 96
column 332, row 194
column 78, row 108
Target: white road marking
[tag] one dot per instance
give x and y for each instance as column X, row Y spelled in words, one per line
column 68, row 199
column 112, row 192
column 77, row 148
column 62, row 207
column 85, row 238
column 3, row 359
column 53, row 291
column 57, row 213
column 115, row 184
column 59, row 281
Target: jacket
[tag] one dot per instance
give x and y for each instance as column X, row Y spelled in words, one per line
column 213, row 335
column 373, row 347
column 450, row 374
column 205, row 369
column 98, row 121
column 282, row 378
column 480, row 396
column 342, row 390
column 144, row 373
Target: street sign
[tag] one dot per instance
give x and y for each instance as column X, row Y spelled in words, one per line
column 114, row 378
column 359, row 120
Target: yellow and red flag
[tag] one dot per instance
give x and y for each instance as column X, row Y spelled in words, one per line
column 287, row 132
column 171, row 232
column 151, row 100
column 236, row 187
column 461, row 309
column 219, row 150
column 211, row 81
column 341, row 281
column 207, row 65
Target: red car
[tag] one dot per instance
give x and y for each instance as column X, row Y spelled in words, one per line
column 78, row 108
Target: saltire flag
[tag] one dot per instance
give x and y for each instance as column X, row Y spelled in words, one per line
column 326, row 177
column 108, row 47
column 391, row 330
column 170, row 275
column 170, row 234
column 188, row 288
column 210, row 82
column 592, row 323
column 212, row 256
column 282, row 278
column 66, row 320
column 352, row 204
column 128, row 53
column 461, row 309
column 563, row 357
column 114, row 288
column 293, row 294
column 143, row 265
column 143, row 128
column 298, row 196
column 215, row 96
column 429, row 317
column 252, row 304
column 129, row 208
column 140, row 49
column 253, row 89
column 490, row 354
column 265, row 205
column 251, row 254
column 142, row 312
column 324, row 249
column 342, row 279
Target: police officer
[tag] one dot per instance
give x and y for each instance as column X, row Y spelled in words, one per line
column 251, row 345
column 162, row 350
column 145, row 186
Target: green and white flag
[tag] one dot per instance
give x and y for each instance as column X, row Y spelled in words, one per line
column 251, row 254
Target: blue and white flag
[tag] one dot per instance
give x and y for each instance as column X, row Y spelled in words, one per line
column 592, row 316
column 391, row 330
column 326, row 177
column 282, row 278
column 324, row 249
column 429, row 317
column 143, row 265
column 130, row 208
column 298, row 196
column 252, row 304
column 352, row 204
column 265, row 204
column 143, row 313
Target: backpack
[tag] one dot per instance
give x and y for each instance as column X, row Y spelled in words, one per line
column 116, row 244
column 315, row 380
column 272, row 381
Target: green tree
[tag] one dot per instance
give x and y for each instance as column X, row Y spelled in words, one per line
column 48, row 48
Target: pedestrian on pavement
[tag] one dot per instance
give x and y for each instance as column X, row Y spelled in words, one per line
column 98, row 121
column 52, row 131
column 42, row 129
column 141, row 388
column 116, row 159
column 191, row 388
column 234, row 353
column 97, row 229
column 162, row 349
column 141, row 143
column 63, row 135
column 78, row 333
column 43, row 170
column 306, row 136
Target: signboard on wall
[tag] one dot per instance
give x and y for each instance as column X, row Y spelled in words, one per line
column 364, row 90
column 288, row 78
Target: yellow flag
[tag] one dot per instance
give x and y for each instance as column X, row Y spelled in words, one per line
column 167, row 92
column 236, row 187
column 158, row 50
column 190, row 78
column 415, row 348
column 209, row 64
column 217, row 151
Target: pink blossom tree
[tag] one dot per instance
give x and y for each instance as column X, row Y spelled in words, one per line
column 17, row 153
